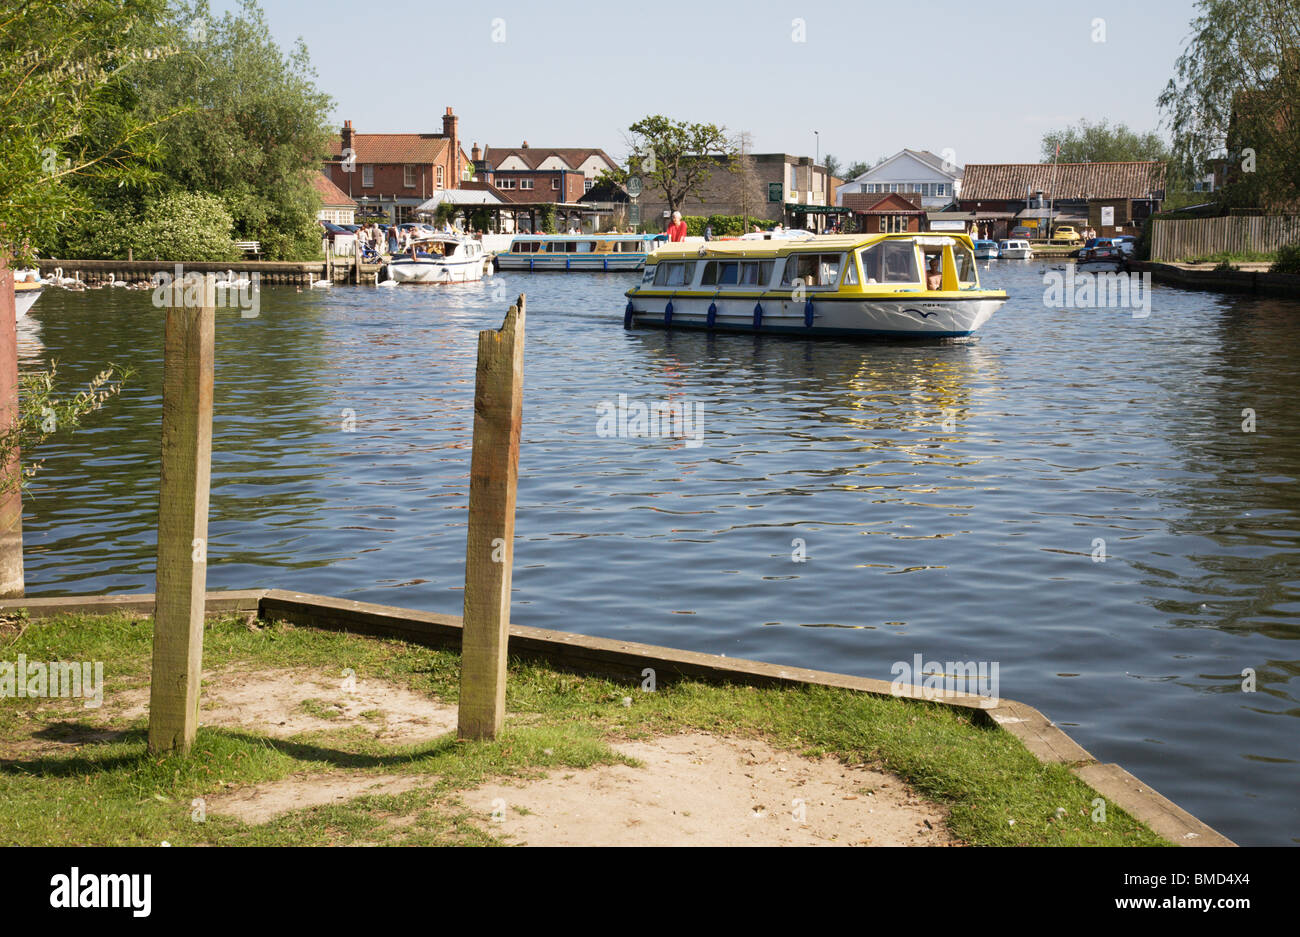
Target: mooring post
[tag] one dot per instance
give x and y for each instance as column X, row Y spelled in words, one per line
column 11, row 472
column 489, row 549
column 183, row 515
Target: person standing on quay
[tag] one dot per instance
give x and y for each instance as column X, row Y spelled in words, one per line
column 677, row 230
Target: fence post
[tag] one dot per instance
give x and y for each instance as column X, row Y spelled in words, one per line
column 182, row 517
column 489, row 548
column 11, row 472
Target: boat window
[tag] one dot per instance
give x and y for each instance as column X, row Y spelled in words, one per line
column 965, row 258
column 674, row 274
column 525, row 247
column 585, row 247
column 850, row 272
column 889, row 262
column 815, row 270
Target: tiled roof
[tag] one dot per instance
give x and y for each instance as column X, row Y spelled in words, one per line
column 1014, row 181
column 393, row 147
column 532, row 157
column 888, row 203
column 331, row 196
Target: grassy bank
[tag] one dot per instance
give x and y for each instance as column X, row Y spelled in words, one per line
column 104, row 788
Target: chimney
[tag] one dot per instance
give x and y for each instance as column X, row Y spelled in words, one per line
column 475, row 154
column 525, row 146
column 347, row 137
column 449, row 122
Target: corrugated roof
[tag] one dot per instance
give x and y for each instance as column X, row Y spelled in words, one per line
column 331, row 196
column 1013, row 181
column 393, row 147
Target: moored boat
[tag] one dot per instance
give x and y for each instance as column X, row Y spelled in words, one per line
column 860, row 285
column 28, row 287
column 441, row 258
column 985, row 250
column 1101, row 254
column 579, row 252
column 1015, row 249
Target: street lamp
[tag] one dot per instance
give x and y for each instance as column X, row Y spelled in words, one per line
column 817, row 154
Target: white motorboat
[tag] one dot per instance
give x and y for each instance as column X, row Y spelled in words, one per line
column 439, row 258
column 1015, row 249
column 28, row 287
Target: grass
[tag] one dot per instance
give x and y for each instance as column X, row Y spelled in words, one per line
column 111, row 791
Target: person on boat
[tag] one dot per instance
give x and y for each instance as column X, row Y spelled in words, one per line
column 708, row 232
column 677, row 230
column 933, row 278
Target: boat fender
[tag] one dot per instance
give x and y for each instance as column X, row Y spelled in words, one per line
column 808, row 313
column 712, row 317
column 627, row 315
column 758, row 315
column 668, row 313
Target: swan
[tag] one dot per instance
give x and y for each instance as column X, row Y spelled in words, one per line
column 114, row 281
column 313, row 283
column 386, row 282
column 238, row 284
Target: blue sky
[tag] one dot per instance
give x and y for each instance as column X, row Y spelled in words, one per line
column 985, row 79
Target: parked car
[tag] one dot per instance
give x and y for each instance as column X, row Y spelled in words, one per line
column 1067, row 233
column 341, row 239
column 1021, row 232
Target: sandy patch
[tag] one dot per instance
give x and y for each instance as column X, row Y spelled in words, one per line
column 263, row 802
column 282, row 703
column 702, row 790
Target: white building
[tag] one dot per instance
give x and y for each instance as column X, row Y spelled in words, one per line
column 916, row 171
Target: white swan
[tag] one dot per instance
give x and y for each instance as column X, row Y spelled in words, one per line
column 114, row 281
column 238, row 284
column 388, row 282
column 313, row 283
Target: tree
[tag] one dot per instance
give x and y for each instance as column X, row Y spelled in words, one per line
column 676, row 158
column 1103, row 143
column 832, row 166
column 67, row 74
column 855, row 169
column 1236, row 94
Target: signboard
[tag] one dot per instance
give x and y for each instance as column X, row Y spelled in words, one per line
column 634, row 186
column 1030, row 222
column 1108, row 216
column 948, row 225
column 634, row 214
column 775, row 192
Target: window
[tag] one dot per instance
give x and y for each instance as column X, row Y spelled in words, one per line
column 893, row 224
column 586, row 247
column 525, row 183
column 889, row 262
column 794, row 178
column 505, row 183
column 440, row 177
column 555, row 183
column 753, row 274
column 817, row 271
column 587, row 184
column 368, row 177
column 675, row 274
column 408, row 176
column 525, row 247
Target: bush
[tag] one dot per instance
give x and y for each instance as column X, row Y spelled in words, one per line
column 1288, row 260
column 724, row 225
column 184, row 226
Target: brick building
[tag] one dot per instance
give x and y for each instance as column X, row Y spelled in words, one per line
column 397, row 172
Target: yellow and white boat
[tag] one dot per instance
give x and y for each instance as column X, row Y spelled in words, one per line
column 854, row 285
column 28, row 287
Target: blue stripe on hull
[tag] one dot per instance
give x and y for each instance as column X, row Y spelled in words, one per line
column 796, row 330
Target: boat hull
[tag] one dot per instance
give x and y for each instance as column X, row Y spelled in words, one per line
column 436, row 271
column 24, row 299
column 579, row 262
column 844, row 318
column 1016, row 253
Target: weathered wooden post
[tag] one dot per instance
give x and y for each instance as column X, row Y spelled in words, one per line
column 489, row 550
column 11, row 472
column 183, row 515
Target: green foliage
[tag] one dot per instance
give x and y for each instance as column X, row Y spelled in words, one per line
column 68, row 70
column 724, row 225
column 480, row 219
column 185, row 226
column 676, row 158
column 853, row 170
column 1103, row 142
column 1288, row 260
column 43, row 413
column 445, row 212
column 1234, row 97
column 546, row 219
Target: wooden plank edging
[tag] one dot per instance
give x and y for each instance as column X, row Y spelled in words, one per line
column 611, row 657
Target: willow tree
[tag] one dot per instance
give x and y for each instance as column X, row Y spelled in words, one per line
column 1236, row 97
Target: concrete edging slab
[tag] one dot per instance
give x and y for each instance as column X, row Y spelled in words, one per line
column 611, row 657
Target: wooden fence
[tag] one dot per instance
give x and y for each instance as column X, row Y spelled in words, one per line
column 1202, row 237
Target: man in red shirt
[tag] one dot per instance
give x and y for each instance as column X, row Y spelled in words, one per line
column 677, row 230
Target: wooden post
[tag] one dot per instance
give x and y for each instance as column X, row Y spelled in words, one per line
column 11, row 488
column 489, row 550
column 182, row 518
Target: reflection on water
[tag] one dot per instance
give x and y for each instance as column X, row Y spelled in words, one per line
column 852, row 505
